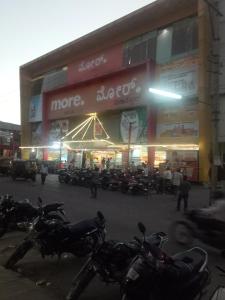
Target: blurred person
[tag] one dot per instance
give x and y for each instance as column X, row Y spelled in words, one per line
column 184, row 189
column 177, row 178
column 44, row 172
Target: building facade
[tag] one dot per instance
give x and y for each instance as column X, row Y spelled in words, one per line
column 107, row 74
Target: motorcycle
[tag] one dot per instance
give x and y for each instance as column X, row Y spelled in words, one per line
column 110, row 262
column 155, row 275
column 219, row 293
column 199, row 225
column 135, row 186
column 18, row 215
column 53, row 237
column 64, row 176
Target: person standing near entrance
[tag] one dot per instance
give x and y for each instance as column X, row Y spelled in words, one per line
column 184, row 189
column 177, row 178
column 44, row 172
column 94, row 183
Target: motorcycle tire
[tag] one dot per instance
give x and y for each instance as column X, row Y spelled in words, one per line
column 18, row 254
column 185, row 237
column 81, row 281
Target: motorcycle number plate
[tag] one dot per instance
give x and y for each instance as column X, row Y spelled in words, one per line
column 132, row 274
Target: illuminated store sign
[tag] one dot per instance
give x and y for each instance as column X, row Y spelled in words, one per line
column 116, row 92
column 101, row 63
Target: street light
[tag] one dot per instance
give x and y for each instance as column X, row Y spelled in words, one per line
column 165, row 94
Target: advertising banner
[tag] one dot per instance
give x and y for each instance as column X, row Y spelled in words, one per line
column 177, row 123
column 36, row 134
column 133, row 123
column 182, row 81
column 35, row 112
column 117, row 92
column 57, row 130
column 96, row 65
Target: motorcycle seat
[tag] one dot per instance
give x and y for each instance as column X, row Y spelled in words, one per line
column 189, row 262
column 82, row 228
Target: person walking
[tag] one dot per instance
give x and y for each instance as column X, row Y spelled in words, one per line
column 177, row 178
column 184, row 189
column 94, row 183
column 44, row 172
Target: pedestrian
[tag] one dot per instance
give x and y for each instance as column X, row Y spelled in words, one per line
column 167, row 178
column 103, row 163
column 44, row 172
column 184, row 189
column 94, row 183
column 108, row 164
column 177, row 178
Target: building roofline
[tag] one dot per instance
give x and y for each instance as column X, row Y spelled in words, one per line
column 121, row 23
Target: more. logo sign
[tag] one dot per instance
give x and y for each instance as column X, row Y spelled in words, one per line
column 67, row 102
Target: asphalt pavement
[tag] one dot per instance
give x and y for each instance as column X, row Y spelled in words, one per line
column 51, row 278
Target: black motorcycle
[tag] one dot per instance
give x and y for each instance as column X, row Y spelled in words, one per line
column 64, row 176
column 199, row 225
column 157, row 276
column 53, row 237
column 110, row 262
column 17, row 215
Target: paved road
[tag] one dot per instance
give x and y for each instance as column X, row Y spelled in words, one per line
column 122, row 213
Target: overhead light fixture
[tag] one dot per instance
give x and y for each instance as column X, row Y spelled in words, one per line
column 165, row 93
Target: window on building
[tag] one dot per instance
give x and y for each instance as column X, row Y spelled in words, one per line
column 140, row 49
column 164, row 45
column 185, row 36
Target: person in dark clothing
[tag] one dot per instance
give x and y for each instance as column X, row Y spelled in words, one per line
column 94, row 183
column 184, row 189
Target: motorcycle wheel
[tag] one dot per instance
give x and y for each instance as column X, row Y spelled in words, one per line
column 81, row 281
column 182, row 233
column 18, row 254
column 3, row 228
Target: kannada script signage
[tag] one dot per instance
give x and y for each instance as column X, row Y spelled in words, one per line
column 125, row 90
column 96, row 65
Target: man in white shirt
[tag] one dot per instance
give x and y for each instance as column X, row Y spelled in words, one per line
column 177, row 178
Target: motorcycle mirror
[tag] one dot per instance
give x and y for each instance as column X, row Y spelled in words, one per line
column 142, row 228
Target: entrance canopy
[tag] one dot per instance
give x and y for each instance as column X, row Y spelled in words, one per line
column 85, row 135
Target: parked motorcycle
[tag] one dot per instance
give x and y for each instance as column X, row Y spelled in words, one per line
column 64, row 176
column 155, row 275
column 110, row 261
column 18, row 215
column 199, row 225
column 53, row 237
column 137, row 187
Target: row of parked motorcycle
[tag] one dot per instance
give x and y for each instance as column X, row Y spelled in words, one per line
column 141, row 268
column 116, row 180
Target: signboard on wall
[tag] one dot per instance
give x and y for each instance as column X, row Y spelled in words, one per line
column 182, row 81
column 133, row 123
column 96, row 65
column 117, row 92
column 57, row 130
column 35, row 111
column 178, row 130
column 177, row 123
